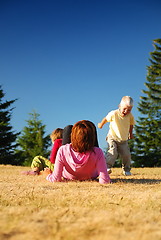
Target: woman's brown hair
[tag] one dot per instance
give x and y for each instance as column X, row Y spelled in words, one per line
column 83, row 136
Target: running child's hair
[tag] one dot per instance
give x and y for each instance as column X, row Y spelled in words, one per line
column 127, row 100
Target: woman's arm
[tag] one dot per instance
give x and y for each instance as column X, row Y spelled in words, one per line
column 56, row 176
column 102, row 169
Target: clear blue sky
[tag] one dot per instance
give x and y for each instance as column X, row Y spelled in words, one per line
column 74, row 59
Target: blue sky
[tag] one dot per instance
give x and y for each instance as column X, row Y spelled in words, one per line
column 74, row 59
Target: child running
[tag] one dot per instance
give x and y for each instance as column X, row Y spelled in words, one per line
column 120, row 130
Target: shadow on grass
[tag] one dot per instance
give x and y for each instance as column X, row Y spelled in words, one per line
column 136, row 181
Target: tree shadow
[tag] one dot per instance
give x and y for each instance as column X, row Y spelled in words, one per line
column 136, row 181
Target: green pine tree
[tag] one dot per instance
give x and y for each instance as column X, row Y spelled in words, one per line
column 147, row 147
column 7, row 135
column 32, row 141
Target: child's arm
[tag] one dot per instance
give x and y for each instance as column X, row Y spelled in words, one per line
column 131, row 132
column 100, row 125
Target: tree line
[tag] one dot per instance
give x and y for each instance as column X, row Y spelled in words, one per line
column 19, row 148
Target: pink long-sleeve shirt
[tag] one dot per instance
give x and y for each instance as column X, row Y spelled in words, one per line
column 72, row 165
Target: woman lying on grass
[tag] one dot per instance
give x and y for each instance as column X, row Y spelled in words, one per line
column 80, row 160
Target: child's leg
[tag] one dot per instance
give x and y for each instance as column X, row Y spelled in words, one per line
column 112, row 152
column 125, row 155
column 36, row 169
column 48, row 164
column 37, row 164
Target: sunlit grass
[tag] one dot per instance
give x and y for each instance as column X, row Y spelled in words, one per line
column 33, row 208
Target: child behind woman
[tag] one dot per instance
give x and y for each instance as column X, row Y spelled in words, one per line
column 39, row 163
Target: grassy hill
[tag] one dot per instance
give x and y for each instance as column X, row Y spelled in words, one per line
column 33, row 208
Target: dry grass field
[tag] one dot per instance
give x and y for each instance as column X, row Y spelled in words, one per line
column 32, row 208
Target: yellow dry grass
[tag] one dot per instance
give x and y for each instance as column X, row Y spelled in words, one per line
column 32, row 208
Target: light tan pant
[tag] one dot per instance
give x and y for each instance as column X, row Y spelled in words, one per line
column 118, row 149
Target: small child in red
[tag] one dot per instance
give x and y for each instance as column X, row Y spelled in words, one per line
column 39, row 163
